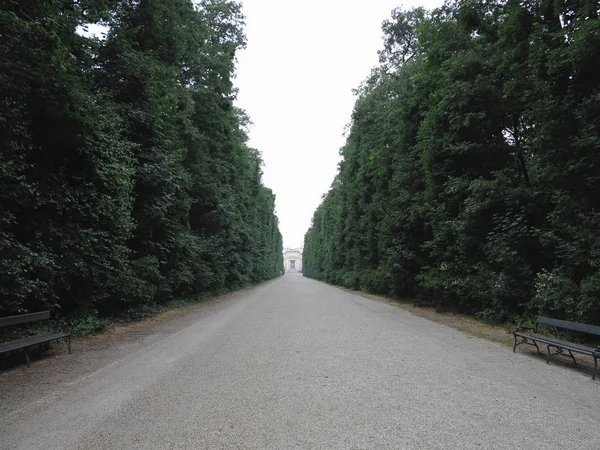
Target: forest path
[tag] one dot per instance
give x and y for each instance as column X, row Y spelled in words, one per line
column 295, row 363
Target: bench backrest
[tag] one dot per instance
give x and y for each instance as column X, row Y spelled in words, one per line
column 591, row 329
column 24, row 318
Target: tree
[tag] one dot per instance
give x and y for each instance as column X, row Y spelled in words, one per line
column 126, row 178
column 468, row 177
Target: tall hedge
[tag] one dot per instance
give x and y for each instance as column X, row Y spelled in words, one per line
column 125, row 176
column 470, row 174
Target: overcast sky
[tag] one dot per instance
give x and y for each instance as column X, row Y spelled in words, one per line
column 295, row 80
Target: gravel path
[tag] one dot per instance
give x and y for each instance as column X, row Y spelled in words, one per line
column 295, row 363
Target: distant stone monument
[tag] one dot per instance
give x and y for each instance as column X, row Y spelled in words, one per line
column 292, row 259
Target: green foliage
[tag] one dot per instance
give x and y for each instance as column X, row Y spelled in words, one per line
column 125, row 179
column 469, row 174
column 91, row 324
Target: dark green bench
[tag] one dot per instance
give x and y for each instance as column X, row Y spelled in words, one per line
column 530, row 336
column 27, row 342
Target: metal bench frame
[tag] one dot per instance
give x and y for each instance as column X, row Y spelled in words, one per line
column 28, row 342
column 560, row 346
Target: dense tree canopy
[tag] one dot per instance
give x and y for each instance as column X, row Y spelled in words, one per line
column 125, row 178
column 470, row 173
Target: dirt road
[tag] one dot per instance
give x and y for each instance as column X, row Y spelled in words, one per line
column 295, row 363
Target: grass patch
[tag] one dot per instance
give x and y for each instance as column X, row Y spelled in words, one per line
column 500, row 333
column 144, row 315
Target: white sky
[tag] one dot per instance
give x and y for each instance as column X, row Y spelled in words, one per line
column 295, row 80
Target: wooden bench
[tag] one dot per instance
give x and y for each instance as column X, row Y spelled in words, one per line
column 532, row 338
column 27, row 342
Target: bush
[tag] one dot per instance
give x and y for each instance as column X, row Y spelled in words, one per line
column 374, row 281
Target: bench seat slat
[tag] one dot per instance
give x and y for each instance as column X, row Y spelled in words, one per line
column 563, row 344
column 29, row 341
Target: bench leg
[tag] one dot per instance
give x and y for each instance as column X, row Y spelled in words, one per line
column 27, row 358
column 560, row 351
column 525, row 341
column 595, row 368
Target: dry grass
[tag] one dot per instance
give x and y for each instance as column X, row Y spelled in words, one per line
column 475, row 327
column 139, row 326
column 466, row 324
column 122, row 329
